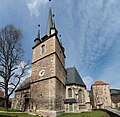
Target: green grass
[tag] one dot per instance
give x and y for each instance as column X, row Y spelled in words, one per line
column 86, row 114
column 7, row 114
column 15, row 115
column 9, row 110
column 96, row 113
column 1, row 108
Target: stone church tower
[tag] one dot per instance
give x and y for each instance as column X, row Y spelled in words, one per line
column 51, row 90
column 48, row 72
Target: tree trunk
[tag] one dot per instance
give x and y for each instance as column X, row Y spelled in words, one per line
column 6, row 98
column 6, row 103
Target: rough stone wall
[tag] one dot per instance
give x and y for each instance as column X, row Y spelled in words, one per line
column 48, row 64
column 60, row 70
column 59, row 62
column 48, row 91
column 101, row 95
column 48, row 95
column 49, row 48
column 40, row 95
column 78, row 107
column 19, row 100
column 75, row 89
column 59, row 95
column 16, row 101
column 87, row 96
column 59, row 52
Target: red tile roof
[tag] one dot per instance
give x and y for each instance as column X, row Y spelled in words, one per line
column 100, row 83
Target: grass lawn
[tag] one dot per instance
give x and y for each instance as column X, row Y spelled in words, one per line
column 96, row 113
column 16, row 115
column 9, row 110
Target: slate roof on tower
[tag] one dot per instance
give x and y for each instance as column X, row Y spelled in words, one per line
column 73, row 77
column 49, row 23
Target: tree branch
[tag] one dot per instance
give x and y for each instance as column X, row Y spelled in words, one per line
column 2, row 84
column 14, row 87
column 10, row 56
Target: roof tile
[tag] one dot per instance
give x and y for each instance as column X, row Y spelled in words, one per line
column 100, row 83
column 73, row 77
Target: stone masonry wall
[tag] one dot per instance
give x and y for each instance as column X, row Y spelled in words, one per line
column 101, row 95
column 19, row 100
column 49, row 48
column 59, row 52
column 60, row 95
column 48, row 64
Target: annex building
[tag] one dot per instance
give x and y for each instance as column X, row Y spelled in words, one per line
column 101, row 97
column 52, row 88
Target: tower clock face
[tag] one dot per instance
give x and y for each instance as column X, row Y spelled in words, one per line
column 41, row 72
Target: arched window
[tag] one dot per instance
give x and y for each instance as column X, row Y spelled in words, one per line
column 43, row 49
column 80, row 96
column 69, row 92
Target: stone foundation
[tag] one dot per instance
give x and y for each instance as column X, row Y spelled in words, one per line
column 49, row 113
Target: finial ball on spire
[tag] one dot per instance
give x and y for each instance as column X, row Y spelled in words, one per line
column 38, row 25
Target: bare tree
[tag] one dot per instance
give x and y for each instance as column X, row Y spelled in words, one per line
column 11, row 67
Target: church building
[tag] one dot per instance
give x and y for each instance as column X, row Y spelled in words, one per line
column 52, row 89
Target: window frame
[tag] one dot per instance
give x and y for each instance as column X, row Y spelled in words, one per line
column 69, row 92
column 43, row 49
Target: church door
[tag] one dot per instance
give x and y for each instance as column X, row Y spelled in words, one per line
column 70, row 107
column 26, row 104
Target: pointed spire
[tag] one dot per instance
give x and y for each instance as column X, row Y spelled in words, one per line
column 37, row 39
column 38, row 31
column 49, row 22
column 53, row 24
column 60, row 40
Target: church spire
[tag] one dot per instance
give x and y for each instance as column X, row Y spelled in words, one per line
column 49, row 22
column 38, row 31
column 37, row 39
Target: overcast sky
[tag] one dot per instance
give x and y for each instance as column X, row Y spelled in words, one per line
column 90, row 32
